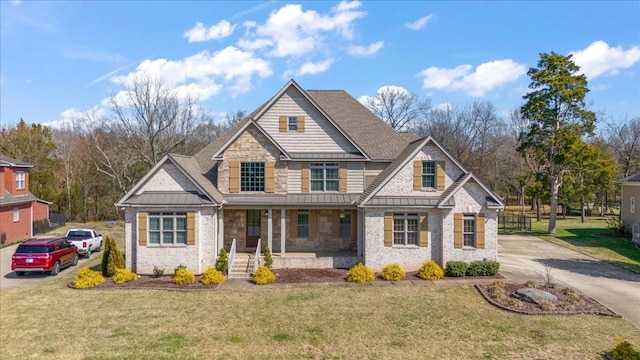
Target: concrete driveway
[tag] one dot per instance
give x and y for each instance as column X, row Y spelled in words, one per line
column 9, row 279
column 529, row 258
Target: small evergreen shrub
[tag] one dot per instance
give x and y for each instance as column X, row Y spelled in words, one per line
column 263, row 276
column 393, row 272
column 360, row 274
column 123, row 276
column 157, row 272
column 568, row 291
column 456, row 268
column 483, row 268
column 212, row 276
column 624, row 351
column 87, row 278
column 268, row 259
column 112, row 258
column 531, row 284
column 430, row 270
column 223, row 260
column 182, row 276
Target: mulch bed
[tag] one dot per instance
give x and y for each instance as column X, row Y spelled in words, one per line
column 292, row 276
column 585, row 305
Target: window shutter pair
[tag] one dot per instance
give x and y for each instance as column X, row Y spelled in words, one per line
column 143, row 220
column 234, row 176
column 284, row 123
column 417, row 175
column 423, row 220
column 458, row 227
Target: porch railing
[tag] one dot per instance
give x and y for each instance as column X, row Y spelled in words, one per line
column 232, row 255
column 256, row 259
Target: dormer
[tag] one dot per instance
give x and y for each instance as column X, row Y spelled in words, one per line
column 15, row 176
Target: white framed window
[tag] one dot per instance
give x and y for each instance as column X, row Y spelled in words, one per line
column 469, row 230
column 252, row 176
column 20, row 180
column 632, row 203
column 16, row 214
column 345, row 224
column 428, row 174
column 325, row 176
column 168, row 228
column 405, row 229
column 303, row 223
column 292, row 123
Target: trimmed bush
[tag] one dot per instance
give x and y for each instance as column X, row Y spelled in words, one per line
column 263, row 276
column 268, row 259
column 212, row 276
column 223, row 260
column 624, row 351
column 112, row 258
column 123, row 276
column 88, row 278
column 360, row 274
column 430, row 270
column 456, row 268
column 393, row 272
column 183, row 276
column 483, row 268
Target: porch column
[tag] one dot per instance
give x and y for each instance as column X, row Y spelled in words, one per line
column 283, row 228
column 270, row 228
column 220, row 229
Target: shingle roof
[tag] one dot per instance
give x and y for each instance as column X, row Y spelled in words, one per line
column 373, row 135
column 204, row 177
column 7, row 161
column 632, row 178
column 9, row 199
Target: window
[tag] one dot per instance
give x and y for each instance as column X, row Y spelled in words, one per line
column 292, row 122
column 405, row 229
column 16, row 215
column 345, row 224
column 633, row 205
column 469, row 230
column 428, row 174
column 20, row 177
column 325, row 177
column 168, row 228
column 252, row 176
column 303, row 223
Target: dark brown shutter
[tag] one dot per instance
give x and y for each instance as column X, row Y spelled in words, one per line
column 284, row 123
column 191, row 228
column 458, row 226
column 269, row 176
column 417, row 175
column 424, row 230
column 234, row 176
column 335, row 217
column 440, row 175
column 142, row 228
column 480, row 231
column 293, row 224
column 305, row 177
column 300, row 123
column 343, row 177
column 388, row 229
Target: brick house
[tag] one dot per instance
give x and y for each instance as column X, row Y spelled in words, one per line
column 19, row 208
column 319, row 179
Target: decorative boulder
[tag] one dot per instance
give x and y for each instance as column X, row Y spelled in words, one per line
column 535, row 296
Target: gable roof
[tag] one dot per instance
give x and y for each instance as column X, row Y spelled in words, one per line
column 409, row 152
column 631, row 179
column 492, row 200
column 6, row 161
column 245, row 124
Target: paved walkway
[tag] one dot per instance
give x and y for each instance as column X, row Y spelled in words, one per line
column 529, row 258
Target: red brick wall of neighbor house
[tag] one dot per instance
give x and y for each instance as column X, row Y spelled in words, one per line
column 2, row 182
column 16, row 230
column 10, row 180
column 40, row 211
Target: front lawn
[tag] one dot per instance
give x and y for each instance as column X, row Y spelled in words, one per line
column 361, row 322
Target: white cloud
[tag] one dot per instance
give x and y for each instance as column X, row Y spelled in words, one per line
column 387, row 89
column 315, row 68
column 486, row 77
column 420, row 23
column 365, row 50
column 598, row 59
column 444, row 106
column 218, row 31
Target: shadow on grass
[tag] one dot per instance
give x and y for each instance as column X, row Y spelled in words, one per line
column 592, row 268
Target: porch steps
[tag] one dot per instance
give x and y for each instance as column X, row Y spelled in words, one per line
column 238, row 269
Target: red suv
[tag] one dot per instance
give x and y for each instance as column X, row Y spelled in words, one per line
column 48, row 255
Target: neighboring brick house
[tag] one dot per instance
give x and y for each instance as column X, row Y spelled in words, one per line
column 629, row 211
column 19, row 208
column 320, row 180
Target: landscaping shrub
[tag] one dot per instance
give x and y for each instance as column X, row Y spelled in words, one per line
column 122, row 276
column 157, row 272
column 515, row 303
column 496, row 290
column 88, row 278
column 212, row 276
column 393, row 272
column 546, row 305
column 268, row 260
column 112, row 258
column 223, row 260
column 430, row 270
column 263, row 276
column 182, row 276
column 483, row 268
column 616, row 226
column 568, row 291
column 456, row 268
column 360, row 274
column 624, row 351
column 531, row 284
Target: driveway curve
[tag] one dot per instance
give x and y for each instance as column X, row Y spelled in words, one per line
column 524, row 257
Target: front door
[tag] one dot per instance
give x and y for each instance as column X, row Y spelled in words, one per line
column 253, row 228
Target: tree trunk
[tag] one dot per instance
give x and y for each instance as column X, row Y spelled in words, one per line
column 553, row 212
column 582, row 210
column 538, row 217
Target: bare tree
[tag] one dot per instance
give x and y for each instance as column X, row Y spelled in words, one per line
column 623, row 138
column 397, row 107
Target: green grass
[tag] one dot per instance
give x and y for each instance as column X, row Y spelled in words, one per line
column 356, row 322
column 592, row 238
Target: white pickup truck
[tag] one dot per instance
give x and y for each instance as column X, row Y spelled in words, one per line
column 86, row 240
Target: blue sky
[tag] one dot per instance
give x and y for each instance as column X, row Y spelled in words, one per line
column 61, row 58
